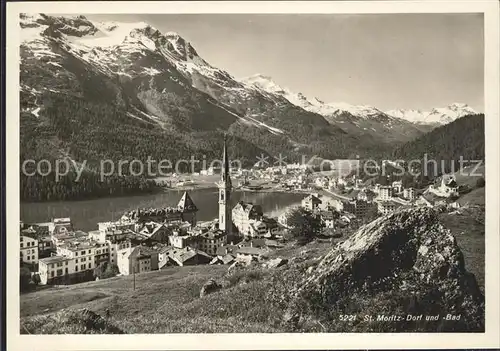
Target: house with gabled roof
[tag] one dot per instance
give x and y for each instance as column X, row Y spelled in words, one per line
column 254, row 252
column 138, row 259
column 182, row 257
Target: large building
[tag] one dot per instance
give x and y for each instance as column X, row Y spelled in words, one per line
column 311, row 202
column 244, row 213
column 29, row 250
column 137, row 259
column 56, row 269
column 75, row 262
column 210, row 240
column 386, row 207
column 60, row 225
column 385, row 193
column 185, row 211
column 84, row 253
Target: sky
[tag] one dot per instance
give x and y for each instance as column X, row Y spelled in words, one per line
column 409, row 61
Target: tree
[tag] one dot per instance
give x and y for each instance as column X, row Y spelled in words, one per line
column 110, row 271
column 304, row 225
column 480, row 183
column 24, row 278
column 36, row 279
column 100, row 269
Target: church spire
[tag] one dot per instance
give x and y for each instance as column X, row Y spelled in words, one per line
column 225, row 177
column 225, row 218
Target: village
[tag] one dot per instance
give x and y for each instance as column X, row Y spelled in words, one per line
column 144, row 240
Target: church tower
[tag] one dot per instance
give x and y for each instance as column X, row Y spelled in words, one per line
column 225, row 218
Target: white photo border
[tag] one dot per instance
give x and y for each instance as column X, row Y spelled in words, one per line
column 16, row 341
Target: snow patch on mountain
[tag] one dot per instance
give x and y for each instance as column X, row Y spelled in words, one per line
column 150, row 71
column 110, row 34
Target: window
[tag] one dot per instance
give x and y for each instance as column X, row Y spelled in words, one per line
column 66, row 270
column 66, row 263
column 76, row 268
column 76, row 253
column 83, row 267
column 22, row 245
column 76, row 261
column 83, row 252
column 59, row 272
column 52, row 274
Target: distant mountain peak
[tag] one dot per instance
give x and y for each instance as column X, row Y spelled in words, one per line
column 437, row 115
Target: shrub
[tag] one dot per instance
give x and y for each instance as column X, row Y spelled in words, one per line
column 110, row 271
column 480, row 183
column 304, row 225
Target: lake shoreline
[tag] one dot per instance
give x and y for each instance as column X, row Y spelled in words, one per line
column 85, row 214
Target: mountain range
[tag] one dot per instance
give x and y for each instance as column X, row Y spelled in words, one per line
column 94, row 90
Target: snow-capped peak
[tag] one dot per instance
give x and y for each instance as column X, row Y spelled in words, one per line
column 263, row 82
column 172, row 34
column 440, row 115
column 267, row 84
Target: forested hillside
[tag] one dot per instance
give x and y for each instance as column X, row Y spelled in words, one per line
column 462, row 137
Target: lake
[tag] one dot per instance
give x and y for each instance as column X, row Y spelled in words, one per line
column 86, row 214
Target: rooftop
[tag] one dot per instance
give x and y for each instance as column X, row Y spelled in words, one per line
column 54, row 259
column 246, row 250
column 61, row 220
column 74, row 245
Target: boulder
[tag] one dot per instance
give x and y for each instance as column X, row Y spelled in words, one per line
column 403, row 263
column 209, row 287
column 277, row 262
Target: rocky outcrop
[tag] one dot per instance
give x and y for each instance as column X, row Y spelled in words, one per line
column 275, row 263
column 404, row 263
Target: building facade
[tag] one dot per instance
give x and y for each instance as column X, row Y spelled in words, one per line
column 243, row 214
column 311, row 203
column 409, row 194
column 386, row 207
column 385, row 193
column 28, row 250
